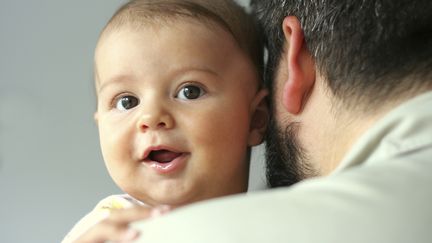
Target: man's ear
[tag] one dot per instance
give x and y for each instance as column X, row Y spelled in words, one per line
column 259, row 119
column 300, row 66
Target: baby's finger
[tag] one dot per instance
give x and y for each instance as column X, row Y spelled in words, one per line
column 136, row 213
column 128, row 215
column 108, row 231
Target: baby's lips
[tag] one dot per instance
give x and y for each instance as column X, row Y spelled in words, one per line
column 163, row 156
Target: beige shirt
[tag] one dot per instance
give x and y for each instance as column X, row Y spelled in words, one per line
column 381, row 192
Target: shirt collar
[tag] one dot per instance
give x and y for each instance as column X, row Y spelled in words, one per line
column 405, row 128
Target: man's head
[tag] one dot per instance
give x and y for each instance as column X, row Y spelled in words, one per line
column 352, row 59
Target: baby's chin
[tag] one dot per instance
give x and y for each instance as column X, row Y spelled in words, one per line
column 173, row 201
column 178, row 192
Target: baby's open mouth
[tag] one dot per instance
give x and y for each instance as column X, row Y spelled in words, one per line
column 163, row 156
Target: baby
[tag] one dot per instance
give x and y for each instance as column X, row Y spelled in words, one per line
column 179, row 102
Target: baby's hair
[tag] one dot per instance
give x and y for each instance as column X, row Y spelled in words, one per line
column 225, row 13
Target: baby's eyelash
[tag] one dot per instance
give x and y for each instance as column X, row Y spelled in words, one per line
column 116, row 98
column 192, row 83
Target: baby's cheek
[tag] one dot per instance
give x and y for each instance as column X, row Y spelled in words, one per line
column 115, row 153
column 210, row 128
column 223, row 129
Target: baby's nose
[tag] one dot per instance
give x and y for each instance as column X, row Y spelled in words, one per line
column 155, row 120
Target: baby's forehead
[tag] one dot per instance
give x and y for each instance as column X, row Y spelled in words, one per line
column 214, row 15
column 163, row 22
column 167, row 26
column 205, row 42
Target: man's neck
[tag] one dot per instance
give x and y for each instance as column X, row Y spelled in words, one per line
column 329, row 130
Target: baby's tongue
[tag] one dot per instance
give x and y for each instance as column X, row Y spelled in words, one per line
column 163, row 156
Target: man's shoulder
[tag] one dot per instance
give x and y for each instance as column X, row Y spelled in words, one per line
column 377, row 202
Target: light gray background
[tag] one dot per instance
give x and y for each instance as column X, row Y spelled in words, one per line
column 51, row 170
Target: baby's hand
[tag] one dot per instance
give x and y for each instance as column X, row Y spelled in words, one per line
column 116, row 228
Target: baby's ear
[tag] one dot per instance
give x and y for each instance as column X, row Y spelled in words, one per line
column 96, row 117
column 259, row 119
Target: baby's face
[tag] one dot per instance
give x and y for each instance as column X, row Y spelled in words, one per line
column 174, row 111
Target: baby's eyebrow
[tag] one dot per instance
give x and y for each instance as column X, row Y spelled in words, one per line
column 114, row 80
column 122, row 78
column 192, row 68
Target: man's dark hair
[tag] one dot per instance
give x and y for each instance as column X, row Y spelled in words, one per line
column 369, row 51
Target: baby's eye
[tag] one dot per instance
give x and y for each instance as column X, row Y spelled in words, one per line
column 126, row 103
column 190, row 92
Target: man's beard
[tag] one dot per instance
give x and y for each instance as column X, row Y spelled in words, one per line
column 286, row 160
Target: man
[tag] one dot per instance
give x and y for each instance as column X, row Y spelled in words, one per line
column 351, row 86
